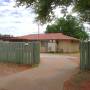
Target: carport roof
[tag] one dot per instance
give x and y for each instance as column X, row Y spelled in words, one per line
column 49, row 36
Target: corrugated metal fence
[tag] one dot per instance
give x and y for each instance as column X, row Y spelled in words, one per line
column 85, row 55
column 20, row 52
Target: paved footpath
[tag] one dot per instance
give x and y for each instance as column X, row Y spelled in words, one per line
column 50, row 75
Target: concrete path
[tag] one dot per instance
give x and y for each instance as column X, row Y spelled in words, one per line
column 50, row 75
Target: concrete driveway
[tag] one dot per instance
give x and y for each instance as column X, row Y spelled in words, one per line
column 50, row 75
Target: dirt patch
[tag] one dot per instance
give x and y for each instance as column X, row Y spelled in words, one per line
column 80, row 81
column 9, row 68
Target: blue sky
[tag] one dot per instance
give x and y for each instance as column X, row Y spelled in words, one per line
column 17, row 20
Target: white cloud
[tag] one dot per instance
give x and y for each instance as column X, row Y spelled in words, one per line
column 19, row 20
column 16, row 20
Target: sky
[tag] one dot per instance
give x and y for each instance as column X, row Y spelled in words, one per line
column 18, row 21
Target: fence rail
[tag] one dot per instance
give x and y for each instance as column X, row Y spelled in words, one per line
column 20, row 52
column 85, row 55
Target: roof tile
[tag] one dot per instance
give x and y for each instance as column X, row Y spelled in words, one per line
column 49, row 36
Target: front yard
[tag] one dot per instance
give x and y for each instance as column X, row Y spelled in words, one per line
column 51, row 73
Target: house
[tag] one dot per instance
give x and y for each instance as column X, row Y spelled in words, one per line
column 54, row 42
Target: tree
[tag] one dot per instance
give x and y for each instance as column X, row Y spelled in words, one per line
column 68, row 25
column 52, row 29
column 44, row 8
column 83, row 8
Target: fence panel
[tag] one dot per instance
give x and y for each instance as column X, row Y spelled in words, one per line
column 20, row 52
column 36, row 55
column 85, row 55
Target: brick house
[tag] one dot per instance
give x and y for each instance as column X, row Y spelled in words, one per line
column 54, row 42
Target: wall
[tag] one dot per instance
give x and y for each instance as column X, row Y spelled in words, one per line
column 52, row 46
column 43, row 46
column 48, row 46
column 68, row 46
column 63, row 46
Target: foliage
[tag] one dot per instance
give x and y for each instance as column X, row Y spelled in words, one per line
column 52, row 29
column 44, row 8
column 69, row 26
column 83, row 8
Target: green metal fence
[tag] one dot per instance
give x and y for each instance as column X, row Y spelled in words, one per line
column 20, row 52
column 85, row 55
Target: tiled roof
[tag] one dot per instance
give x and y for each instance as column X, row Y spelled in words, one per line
column 49, row 36
column 11, row 38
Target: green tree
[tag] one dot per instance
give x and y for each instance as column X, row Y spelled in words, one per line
column 83, row 9
column 68, row 25
column 44, row 8
column 52, row 29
